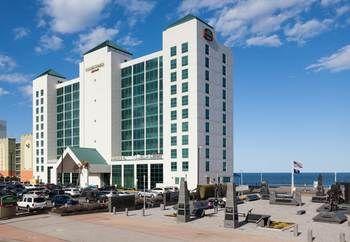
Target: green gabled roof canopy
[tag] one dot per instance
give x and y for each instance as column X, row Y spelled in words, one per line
column 109, row 44
column 90, row 155
column 50, row 72
column 186, row 19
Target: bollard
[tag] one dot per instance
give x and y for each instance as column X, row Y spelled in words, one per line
column 114, row 212
column 342, row 237
column 310, row 237
column 126, row 211
column 143, row 212
column 296, row 231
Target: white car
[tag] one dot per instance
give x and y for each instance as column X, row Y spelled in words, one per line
column 32, row 202
column 74, row 192
column 148, row 193
column 30, row 186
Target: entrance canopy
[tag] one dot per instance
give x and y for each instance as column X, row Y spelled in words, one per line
column 74, row 158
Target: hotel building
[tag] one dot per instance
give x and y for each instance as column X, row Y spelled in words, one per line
column 141, row 121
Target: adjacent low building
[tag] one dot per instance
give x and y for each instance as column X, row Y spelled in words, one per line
column 135, row 122
column 7, row 157
column 26, row 158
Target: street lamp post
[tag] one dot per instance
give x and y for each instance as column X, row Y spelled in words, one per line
column 144, row 196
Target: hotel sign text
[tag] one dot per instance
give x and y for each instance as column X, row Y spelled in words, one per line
column 94, row 67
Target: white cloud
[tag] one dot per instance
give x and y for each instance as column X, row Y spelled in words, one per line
column 95, row 37
column 336, row 62
column 6, row 63
column 343, row 10
column 3, row 92
column 130, row 41
column 136, row 9
column 48, row 43
column 243, row 20
column 27, row 91
column 20, row 32
column 193, row 6
column 70, row 16
column 300, row 32
column 14, row 77
column 271, row 41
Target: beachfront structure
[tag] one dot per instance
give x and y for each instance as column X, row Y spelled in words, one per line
column 3, row 129
column 7, row 157
column 145, row 121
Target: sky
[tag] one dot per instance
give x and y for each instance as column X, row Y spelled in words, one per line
column 291, row 66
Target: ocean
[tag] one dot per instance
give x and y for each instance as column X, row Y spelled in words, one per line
column 284, row 178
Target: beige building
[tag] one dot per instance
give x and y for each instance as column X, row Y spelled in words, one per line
column 7, row 157
column 26, row 157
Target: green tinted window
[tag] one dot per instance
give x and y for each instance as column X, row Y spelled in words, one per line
column 184, row 60
column 173, row 115
column 173, row 153
column 184, row 126
column 173, row 89
column 184, row 47
column 173, row 76
column 173, row 140
column 173, row 166
column 185, row 113
column 173, row 64
column 173, row 128
column 185, row 153
column 185, row 87
column 173, row 102
column 184, row 139
column 185, row 166
column 184, row 74
column 173, row 51
column 184, row 100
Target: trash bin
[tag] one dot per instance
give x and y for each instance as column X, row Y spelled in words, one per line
column 8, row 206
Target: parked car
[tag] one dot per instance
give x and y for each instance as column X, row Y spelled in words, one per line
column 32, row 202
column 55, row 192
column 74, row 192
column 60, row 200
column 148, row 193
column 89, row 195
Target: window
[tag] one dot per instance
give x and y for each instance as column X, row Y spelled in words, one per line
column 173, row 166
column 224, row 142
column 207, row 166
column 224, row 70
column 224, row 94
column 224, row 168
column 184, row 139
column 207, row 127
column 207, row 49
column 173, row 153
column 37, row 94
column 185, row 153
column 206, row 62
column 184, row 74
column 41, row 92
column 207, row 88
column 206, row 101
column 224, row 106
column 185, row 113
column 173, row 51
column 177, row 180
column 226, row 179
column 207, row 114
column 173, row 128
column 185, row 87
column 184, row 60
column 41, row 100
column 207, row 153
column 224, row 154
column 173, row 89
column 173, row 77
column 223, row 130
column 206, row 75
column 42, row 168
column 207, row 140
column 223, row 58
column 185, row 166
column 173, row 64
column 184, row 47
column 173, row 140
column 173, row 115
column 184, row 126
column 184, row 100
column 173, row 102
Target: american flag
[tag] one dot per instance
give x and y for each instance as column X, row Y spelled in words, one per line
column 297, row 166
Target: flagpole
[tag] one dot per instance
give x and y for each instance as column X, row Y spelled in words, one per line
column 292, row 185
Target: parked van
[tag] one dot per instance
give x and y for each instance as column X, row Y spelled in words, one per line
column 32, row 202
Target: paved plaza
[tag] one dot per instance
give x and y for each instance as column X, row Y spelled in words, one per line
column 158, row 227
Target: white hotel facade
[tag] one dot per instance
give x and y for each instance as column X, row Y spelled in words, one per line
column 165, row 116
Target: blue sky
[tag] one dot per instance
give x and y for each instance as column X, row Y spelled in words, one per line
column 291, row 66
